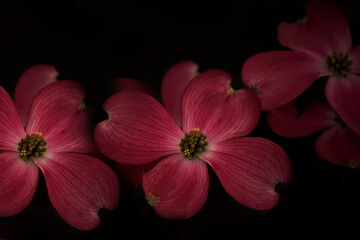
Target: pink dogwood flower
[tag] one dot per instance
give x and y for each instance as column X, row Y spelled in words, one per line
column 322, row 46
column 173, row 86
column 337, row 144
column 49, row 129
column 207, row 124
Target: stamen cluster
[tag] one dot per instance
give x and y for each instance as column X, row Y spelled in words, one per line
column 339, row 64
column 32, row 146
column 193, row 144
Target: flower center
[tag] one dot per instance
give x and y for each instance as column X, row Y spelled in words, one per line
column 339, row 64
column 32, row 146
column 193, row 144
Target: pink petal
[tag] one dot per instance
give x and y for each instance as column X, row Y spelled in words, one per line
column 354, row 55
column 29, row 85
column 79, row 186
column 209, row 103
column 58, row 112
column 130, row 175
column 11, row 128
column 249, row 169
column 280, row 76
column 121, row 84
column 176, row 187
column 343, row 95
column 173, row 87
column 324, row 30
column 138, row 172
column 18, row 183
column 138, row 131
column 339, row 146
column 286, row 122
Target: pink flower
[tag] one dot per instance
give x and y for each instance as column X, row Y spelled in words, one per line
column 173, row 86
column 337, row 144
column 214, row 119
column 322, row 46
column 49, row 130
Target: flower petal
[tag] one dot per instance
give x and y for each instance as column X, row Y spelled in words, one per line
column 18, row 183
column 209, row 103
column 138, row 131
column 122, row 83
column 173, row 87
column 131, row 175
column 60, row 115
column 79, row 186
column 29, row 85
column 324, row 30
column 280, row 76
column 249, row 169
column 343, row 95
column 339, row 146
column 354, row 55
column 286, row 122
column 177, row 188
column 11, row 129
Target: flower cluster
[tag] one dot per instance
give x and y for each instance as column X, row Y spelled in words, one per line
column 199, row 121
column 321, row 47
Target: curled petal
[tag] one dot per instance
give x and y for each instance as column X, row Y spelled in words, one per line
column 280, row 76
column 138, row 131
column 121, row 84
column 325, row 29
column 11, row 129
column 31, row 82
column 79, row 186
column 354, row 56
column 339, row 146
column 249, row 169
column 286, row 122
column 177, row 188
column 58, row 112
column 343, row 95
column 209, row 103
column 18, row 183
column 173, row 87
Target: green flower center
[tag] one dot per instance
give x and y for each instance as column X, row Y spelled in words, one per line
column 193, row 144
column 339, row 64
column 32, row 146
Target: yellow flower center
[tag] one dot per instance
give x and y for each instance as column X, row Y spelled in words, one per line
column 32, row 146
column 193, row 144
column 339, row 64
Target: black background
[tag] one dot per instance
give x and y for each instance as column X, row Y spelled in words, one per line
column 93, row 42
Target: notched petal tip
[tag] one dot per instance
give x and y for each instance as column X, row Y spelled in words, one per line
column 231, row 90
column 103, row 212
column 151, row 199
column 280, row 188
column 354, row 164
column 82, row 104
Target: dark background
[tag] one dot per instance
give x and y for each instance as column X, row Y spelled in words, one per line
column 93, row 42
